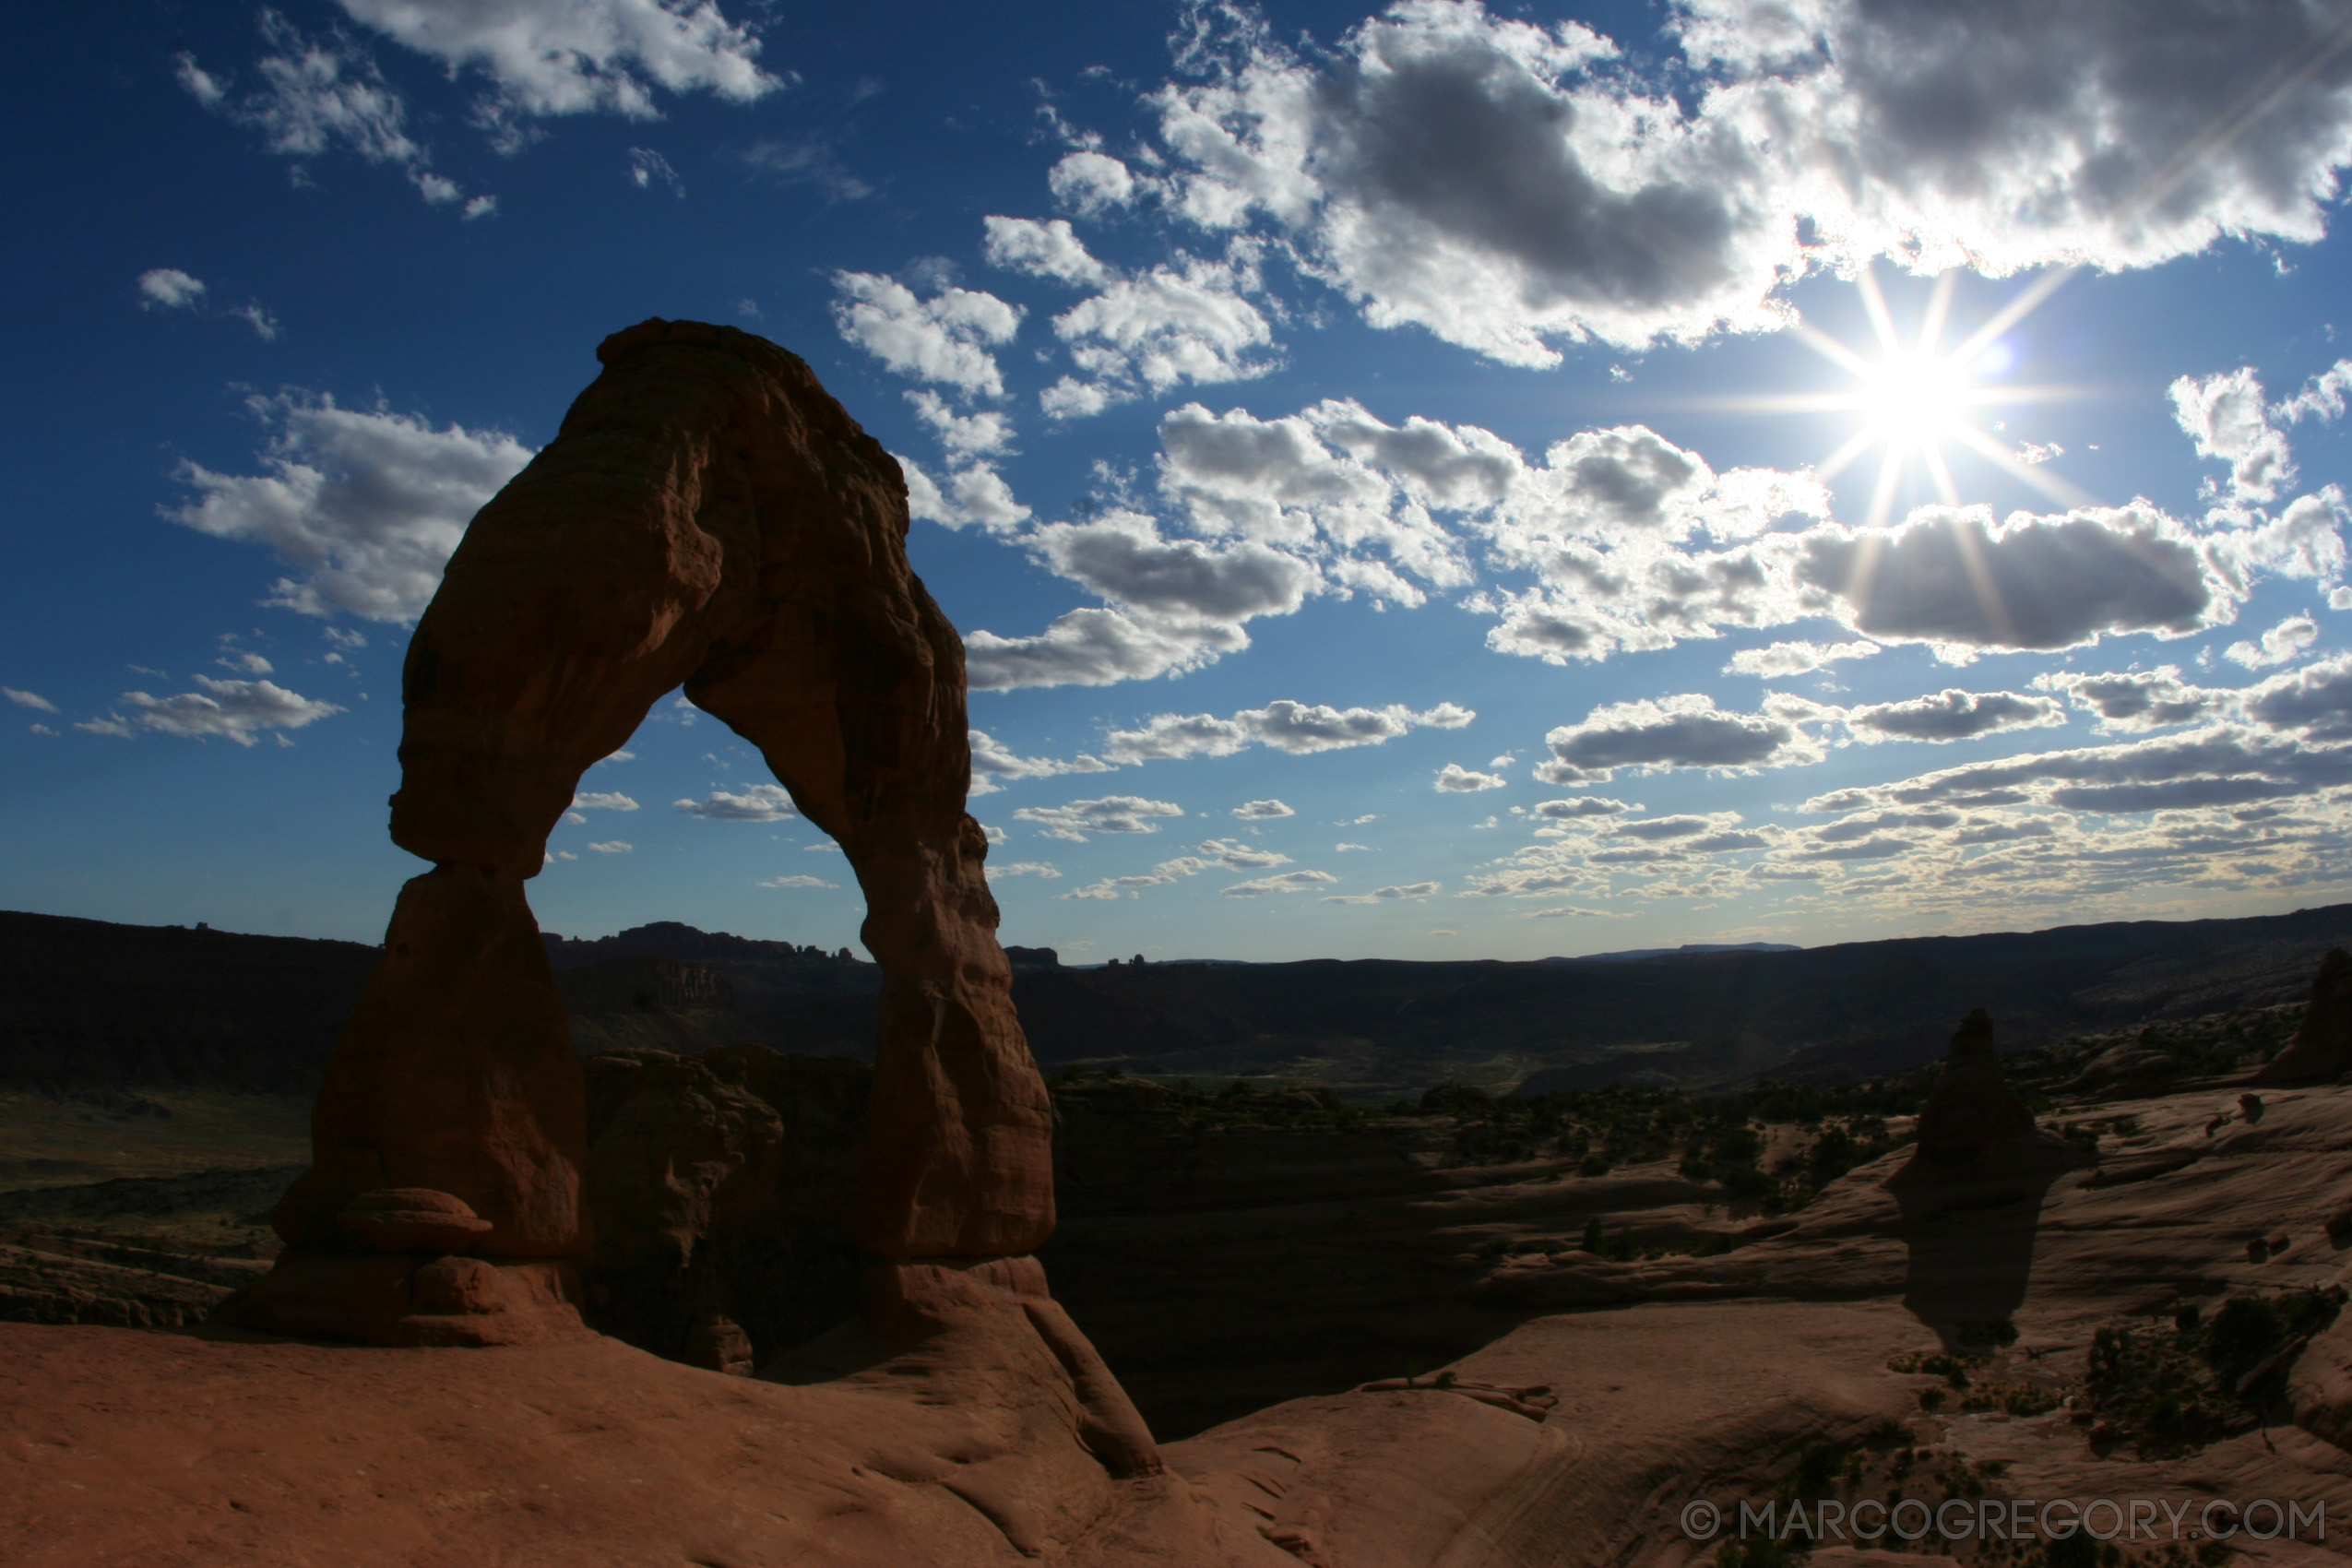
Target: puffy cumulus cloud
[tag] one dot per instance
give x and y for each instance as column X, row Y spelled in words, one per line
column 1051, row 249
column 944, row 340
column 1044, row 871
column 1509, row 187
column 365, row 506
column 1235, row 854
column 170, row 288
column 1091, row 183
column 2130, row 701
column 761, row 803
column 2281, row 644
column 1111, row 813
column 1684, row 731
column 1579, row 808
column 1794, row 658
column 1393, row 894
column 2315, row 701
column 1683, row 826
column 608, row 801
column 1950, row 575
column 1601, row 521
column 1249, row 811
column 1455, row 780
column 1953, row 714
column 1097, row 648
column 578, row 56
column 974, row 493
column 232, row 710
column 992, row 762
column 613, row 847
column 2217, row 766
column 1176, row 604
column 1297, row 728
column 1123, row 557
column 2227, row 419
column 798, row 881
column 1189, row 320
column 1192, row 322
column 1286, row 882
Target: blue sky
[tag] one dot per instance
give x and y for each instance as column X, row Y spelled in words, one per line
column 1435, row 482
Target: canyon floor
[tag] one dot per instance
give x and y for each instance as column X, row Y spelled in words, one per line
column 1470, row 1386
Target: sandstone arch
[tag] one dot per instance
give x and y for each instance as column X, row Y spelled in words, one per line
column 709, row 518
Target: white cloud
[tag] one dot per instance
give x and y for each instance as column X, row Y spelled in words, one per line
column 803, row 880
column 2282, row 644
column 1297, row 728
column 985, row 433
column 1249, row 811
column 2227, row 419
column 1509, row 187
column 1090, row 183
column 1680, row 731
column 1096, row 647
column 611, row 800
column 760, row 802
column 2137, row 700
column 365, row 506
column 234, row 710
column 1794, row 658
column 1111, row 813
column 40, row 704
column 1286, row 882
column 1160, row 328
column 993, row 761
column 1953, row 714
column 1123, row 557
column 1580, row 807
column 170, row 288
column 1951, row 575
column 1042, row 870
column 578, row 56
column 2321, row 398
column 943, row 340
column 1386, row 895
column 1453, row 779
column 612, row 847
column 1042, row 250
column 975, row 492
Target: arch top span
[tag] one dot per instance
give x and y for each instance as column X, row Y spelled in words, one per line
column 708, row 517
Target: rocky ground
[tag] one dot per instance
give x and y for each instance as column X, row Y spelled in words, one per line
column 1414, row 1335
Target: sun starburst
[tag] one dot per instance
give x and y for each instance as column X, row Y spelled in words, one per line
column 1915, row 398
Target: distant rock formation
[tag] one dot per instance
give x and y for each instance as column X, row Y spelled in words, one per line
column 2322, row 1049
column 706, row 515
column 1973, row 1125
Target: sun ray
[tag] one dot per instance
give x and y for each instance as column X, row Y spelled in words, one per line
column 1890, row 475
column 1940, row 472
column 2049, row 484
column 1837, row 460
column 1881, row 319
column 1939, row 307
column 1989, row 599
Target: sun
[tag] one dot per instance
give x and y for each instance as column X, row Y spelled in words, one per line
column 1914, row 400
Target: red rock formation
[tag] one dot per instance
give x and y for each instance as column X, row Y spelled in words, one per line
column 1974, row 1124
column 2322, row 1047
column 708, row 516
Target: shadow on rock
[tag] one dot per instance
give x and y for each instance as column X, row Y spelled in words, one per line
column 1971, row 1196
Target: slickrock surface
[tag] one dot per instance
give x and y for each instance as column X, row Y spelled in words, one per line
column 1674, row 1378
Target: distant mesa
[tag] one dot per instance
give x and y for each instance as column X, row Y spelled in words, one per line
column 2322, row 1049
column 1034, row 957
